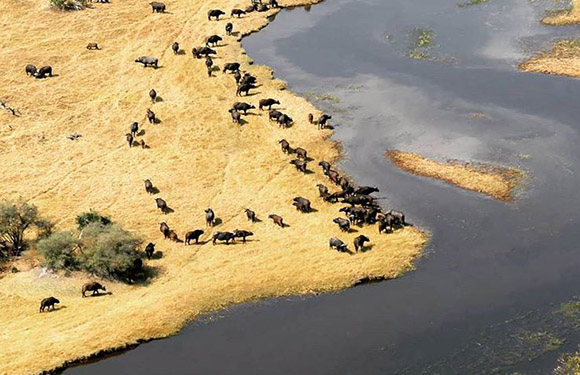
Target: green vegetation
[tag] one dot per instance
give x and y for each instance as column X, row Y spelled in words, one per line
column 422, row 40
column 87, row 218
column 16, row 219
column 69, row 4
column 103, row 249
column 570, row 310
column 568, row 364
column 320, row 97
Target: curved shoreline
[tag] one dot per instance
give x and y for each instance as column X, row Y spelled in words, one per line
column 191, row 280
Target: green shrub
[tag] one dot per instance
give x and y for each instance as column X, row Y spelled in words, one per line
column 87, row 218
column 105, row 250
column 59, row 251
column 69, row 4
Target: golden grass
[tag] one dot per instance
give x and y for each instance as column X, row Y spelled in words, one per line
column 494, row 181
column 565, row 17
column 562, row 59
column 198, row 158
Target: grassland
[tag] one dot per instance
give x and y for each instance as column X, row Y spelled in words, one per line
column 494, row 181
column 564, row 17
column 197, row 158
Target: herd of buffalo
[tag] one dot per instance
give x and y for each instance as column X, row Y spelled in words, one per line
column 359, row 206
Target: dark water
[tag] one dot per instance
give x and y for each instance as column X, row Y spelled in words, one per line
column 486, row 297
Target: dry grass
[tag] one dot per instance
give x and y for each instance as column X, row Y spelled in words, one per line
column 564, row 17
column 198, row 158
column 494, row 181
column 563, row 59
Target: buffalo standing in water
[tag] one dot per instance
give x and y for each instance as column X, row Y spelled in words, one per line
column 92, row 287
column 193, row 235
column 48, row 304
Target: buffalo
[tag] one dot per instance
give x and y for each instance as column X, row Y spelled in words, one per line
column 242, row 234
column 333, row 176
column 42, row 72
column 202, row 51
column 251, row 215
column 301, row 153
column 274, row 3
column 244, row 88
column 274, row 115
column 48, row 303
column 343, row 224
column 149, row 186
column 325, row 166
column 337, row 244
column 94, row 287
column 215, row 13
column 278, row 220
column 30, row 70
column 148, row 61
column 209, row 217
column 322, row 189
column 149, row 250
column 243, row 107
column 285, row 121
column 248, row 78
column 213, row 40
column 172, row 235
column 359, row 242
column 164, row 228
column 366, row 190
column 398, row 217
column 363, row 200
column 151, row 116
column 162, row 205
column 237, row 76
column 223, row 236
column 302, row 204
column 193, row 235
column 134, row 128
column 236, row 116
column 229, row 28
column 267, row 103
column 157, row 7
column 175, row 48
column 237, row 12
column 285, row 146
column 300, row 165
column 231, row 67
column 153, row 95
column 92, row 46
column 130, row 139
column 208, row 63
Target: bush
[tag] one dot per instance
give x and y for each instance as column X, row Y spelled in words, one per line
column 15, row 220
column 87, row 218
column 108, row 250
column 59, row 250
column 69, row 4
column 105, row 250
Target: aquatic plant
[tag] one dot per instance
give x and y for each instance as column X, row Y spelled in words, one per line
column 471, row 2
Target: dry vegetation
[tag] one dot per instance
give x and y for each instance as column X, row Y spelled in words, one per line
column 198, row 158
column 494, row 181
column 564, row 17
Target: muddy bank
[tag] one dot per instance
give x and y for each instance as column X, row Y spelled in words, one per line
column 494, row 181
column 197, row 158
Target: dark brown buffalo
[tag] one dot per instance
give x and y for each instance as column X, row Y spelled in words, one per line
column 151, row 116
column 209, row 217
column 267, row 103
column 164, row 228
column 236, row 116
column 149, row 250
column 273, row 115
column 325, row 166
column 251, row 215
column 214, row 13
column 94, row 287
column 162, row 205
column 338, row 245
column 229, row 28
column 300, row 165
column 301, row 153
column 134, row 128
column 48, row 304
column 322, row 190
column 242, row 234
column 130, row 139
column 213, row 40
column 157, row 7
column 175, row 48
column 302, row 204
column 149, row 188
column 277, row 220
column 243, row 107
column 193, row 235
column 359, row 242
column 237, row 12
column 223, row 236
column 92, row 46
column 153, row 95
column 285, row 146
column 245, row 88
column 343, row 224
column 31, row 70
column 172, row 235
column 42, row 72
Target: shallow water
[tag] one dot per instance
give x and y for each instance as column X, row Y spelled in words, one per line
column 494, row 272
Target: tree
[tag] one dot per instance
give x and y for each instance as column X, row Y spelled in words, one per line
column 87, row 218
column 59, row 251
column 15, row 220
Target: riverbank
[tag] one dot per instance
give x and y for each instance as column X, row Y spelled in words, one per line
column 494, row 181
column 564, row 17
column 197, row 159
